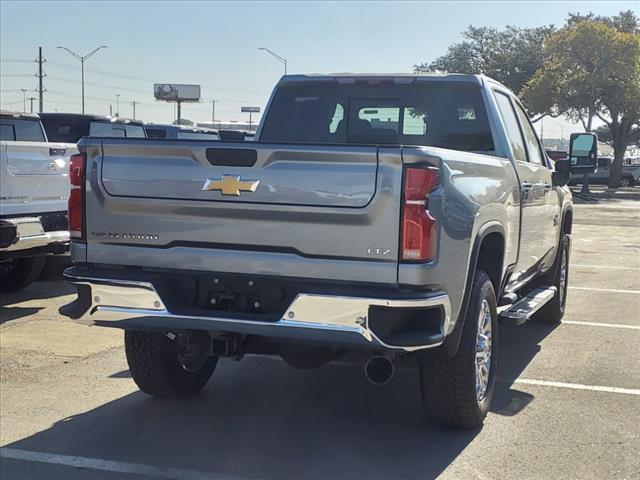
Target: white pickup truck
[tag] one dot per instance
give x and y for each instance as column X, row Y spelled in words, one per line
column 34, row 188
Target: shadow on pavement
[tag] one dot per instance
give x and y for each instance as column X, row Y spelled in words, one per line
column 38, row 290
column 263, row 419
column 14, row 313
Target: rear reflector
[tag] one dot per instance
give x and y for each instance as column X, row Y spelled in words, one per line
column 418, row 225
column 76, row 204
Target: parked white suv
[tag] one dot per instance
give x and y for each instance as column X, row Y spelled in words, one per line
column 34, row 189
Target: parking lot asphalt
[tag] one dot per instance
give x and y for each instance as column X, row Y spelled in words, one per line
column 567, row 403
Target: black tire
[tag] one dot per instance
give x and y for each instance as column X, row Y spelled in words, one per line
column 155, row 367
column 19, row 273
column 626, row 182
column 448, row 385
column 553, row 311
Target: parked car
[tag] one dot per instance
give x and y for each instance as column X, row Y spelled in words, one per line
column 384, row 215
column 34, row 181
column 630, row 174
column 180, row 132
column 71, row 127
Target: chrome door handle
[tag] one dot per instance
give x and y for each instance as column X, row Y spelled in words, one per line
column 547, row 187
column 526, row 185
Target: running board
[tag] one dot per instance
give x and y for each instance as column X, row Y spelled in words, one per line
column 523, row 309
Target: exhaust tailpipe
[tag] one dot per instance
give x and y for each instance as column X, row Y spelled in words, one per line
column 379, row 370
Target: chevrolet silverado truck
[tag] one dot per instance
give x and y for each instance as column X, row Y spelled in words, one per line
column 389, row 218
column 34, row 188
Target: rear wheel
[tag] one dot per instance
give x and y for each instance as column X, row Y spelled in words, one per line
column 626, row 182
column 457, row 391
column 168, row 365
column 18, row 273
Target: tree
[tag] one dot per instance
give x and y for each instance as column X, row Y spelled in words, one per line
column 510, row 56
column 591, row 70
column 183, row 121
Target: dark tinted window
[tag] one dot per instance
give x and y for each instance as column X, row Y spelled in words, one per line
column 156, row 133
column 7, row 132
column 186, row 135
column 65, row 128
column 425, row 113
column 24, row 130
column 513, row 128
column 109, row 129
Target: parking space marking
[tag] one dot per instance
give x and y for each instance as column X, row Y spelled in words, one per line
column 596, row 289
column 606, row 325
column 575, row 386
column 613, row 267
column 109, row 465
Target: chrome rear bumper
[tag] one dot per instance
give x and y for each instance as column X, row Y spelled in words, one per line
column 309, row 317
column 30, row 234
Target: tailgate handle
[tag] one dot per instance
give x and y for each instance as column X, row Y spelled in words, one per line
column 232, row 157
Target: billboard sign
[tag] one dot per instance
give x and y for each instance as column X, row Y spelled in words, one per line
column 250, row 109
column 176, row 92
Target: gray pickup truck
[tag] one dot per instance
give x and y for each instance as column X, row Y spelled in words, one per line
column 385, row 218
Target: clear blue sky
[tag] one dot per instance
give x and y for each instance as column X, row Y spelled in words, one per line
column 215, row 45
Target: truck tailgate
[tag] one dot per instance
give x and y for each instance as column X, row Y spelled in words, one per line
column 295, row 210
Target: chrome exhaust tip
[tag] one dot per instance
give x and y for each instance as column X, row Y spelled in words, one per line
column 379, row 370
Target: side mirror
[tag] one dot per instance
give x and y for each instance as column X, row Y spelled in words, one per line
column 561, row 173
column 583, row 152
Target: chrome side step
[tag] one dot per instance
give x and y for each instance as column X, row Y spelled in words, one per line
column 523, row 309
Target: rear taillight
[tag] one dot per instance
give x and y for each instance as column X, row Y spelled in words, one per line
column 76, row 205
column 418, row 225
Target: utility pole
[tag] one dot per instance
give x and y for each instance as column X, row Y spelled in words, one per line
column 31, row 99
column 213, row 113
column 82, row 59
column 40, row 76
column 24, row 99
column 134, row 103
column 117, row 104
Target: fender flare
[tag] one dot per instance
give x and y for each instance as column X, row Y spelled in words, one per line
column 452, row 342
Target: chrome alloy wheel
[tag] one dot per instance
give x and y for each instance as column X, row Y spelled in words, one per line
column 483, row 351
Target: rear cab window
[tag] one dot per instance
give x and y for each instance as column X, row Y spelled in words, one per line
column 65, row 128
column 22, row 130
column 429, row 113
column 116, row 129
column 187, row 135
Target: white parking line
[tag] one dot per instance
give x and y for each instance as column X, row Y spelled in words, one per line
column 612, row 267
column 606, row 325
column 109, row 465
column 614, row 290
column 576, row 386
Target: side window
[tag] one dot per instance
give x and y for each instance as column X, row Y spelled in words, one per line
column 7, row 132
column 511, row 124
column 156, row 133
column 533, row 146
column 23, row 130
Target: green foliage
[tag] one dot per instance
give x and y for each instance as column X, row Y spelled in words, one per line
column 510, row 56
column 591, row 69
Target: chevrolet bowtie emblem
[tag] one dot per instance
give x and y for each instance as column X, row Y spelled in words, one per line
column 231, row 185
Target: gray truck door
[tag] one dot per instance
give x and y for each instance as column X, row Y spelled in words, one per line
column 535, row 182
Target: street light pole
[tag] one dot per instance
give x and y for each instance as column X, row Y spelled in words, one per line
column 277, row 57
column 82, row 59
column 24, row 99
column 213, row 113
column 117, row 104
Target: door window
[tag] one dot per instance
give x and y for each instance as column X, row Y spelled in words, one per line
column 6, row 132
column 513, row 128
column 23, row 130
column 533, row 146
